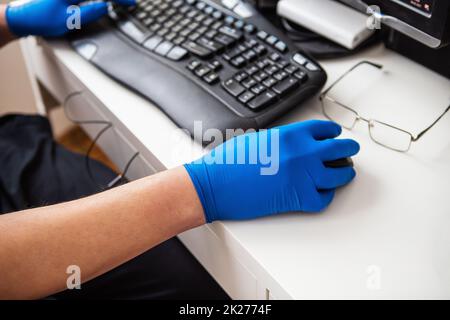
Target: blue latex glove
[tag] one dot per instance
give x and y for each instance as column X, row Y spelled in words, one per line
column 49, row 17
column 301, row 183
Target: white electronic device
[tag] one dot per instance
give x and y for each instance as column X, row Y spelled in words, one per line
column 329, row 18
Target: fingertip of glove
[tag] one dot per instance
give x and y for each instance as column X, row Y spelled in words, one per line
column 355, row 146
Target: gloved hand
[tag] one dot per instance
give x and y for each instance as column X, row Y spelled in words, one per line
column 49, row 17
column 301, row 181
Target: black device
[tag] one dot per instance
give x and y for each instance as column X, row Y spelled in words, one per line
column 426, row 21
column 430, row 47
column 218, row 62
column 340, row 163
column 418, row 29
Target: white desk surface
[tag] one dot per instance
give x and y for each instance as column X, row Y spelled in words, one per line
column 387, row 235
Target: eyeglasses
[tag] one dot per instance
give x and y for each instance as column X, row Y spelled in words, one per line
column 380, row 132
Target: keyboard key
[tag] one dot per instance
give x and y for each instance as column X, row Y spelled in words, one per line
column 300, row 59
column 194, row 64
column 246, row 97
column 251, row 43
column 208, row 10
column 162, row 19
column 249, row 28
column 262, row 35
column 272, row 40
column 250, row 82
column 272, row 69
column 177, row 18
column 260, row 76
column 202, row 71
column 252, row 70
column 217, row 15
column 211, row 78
column 241, row 76
column 250, row 55
column 260, row 50
column 178, row 41
column 194, row 36
column 171, row 12
column 164, row 48
column 177, row 53
column 200, row 18
column 231, row 32
column 275, row 57
column 229, row 20
column 281, row 46
column 210, row 44
column 211, row 34
column 192, row 14
column 312, row 67
column 286, row 86
column 184, row 22
column 184, row 9
column 193, row 25
column 163, row 32
column 281, row 75
column 291, row 69
column 216, row 25
column 185, row 33
column 225, row 40
column 141, row 15
column 261, row 64
column 270, row 82
column 238, row 62
column 215, row 65
column 258, row 89
column 230, row 4
column 282, row 63
column 207, row 22
column 302, row 76
column 262, row 100
column 267, row 62
column 201, row 5
column 233, row 87
column 147, row 22
column 131, row 30
column 152, row 42
column 197, row 49
column 239, row 24
column 155, row 13
column 202, row 30
column 155, row 27
column 170, row 36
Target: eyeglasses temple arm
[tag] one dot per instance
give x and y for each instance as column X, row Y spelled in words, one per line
column 432, row 125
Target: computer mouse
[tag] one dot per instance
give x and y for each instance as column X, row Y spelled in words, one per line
column 340, row 163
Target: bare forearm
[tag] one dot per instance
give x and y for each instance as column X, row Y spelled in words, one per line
column 5, row 34
column 96, row 233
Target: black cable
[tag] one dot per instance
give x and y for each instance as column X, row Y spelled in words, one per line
column 108, row 125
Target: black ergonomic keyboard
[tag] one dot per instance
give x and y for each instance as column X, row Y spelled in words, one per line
column 219, row 62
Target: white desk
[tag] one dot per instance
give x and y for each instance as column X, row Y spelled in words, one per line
column 387, row 235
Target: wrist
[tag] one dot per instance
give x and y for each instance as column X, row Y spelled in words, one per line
column 185, row 193
column 196, row 172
